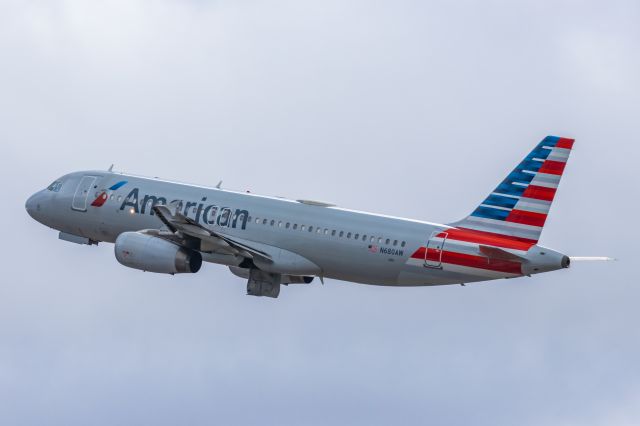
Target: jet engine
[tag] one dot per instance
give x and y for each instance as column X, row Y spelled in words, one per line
column 153, row 254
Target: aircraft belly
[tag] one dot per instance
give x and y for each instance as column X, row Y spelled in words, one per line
column 356, row 264
column 415, row 274
column 417, row 277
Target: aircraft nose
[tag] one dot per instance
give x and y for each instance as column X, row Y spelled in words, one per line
column 33, row 205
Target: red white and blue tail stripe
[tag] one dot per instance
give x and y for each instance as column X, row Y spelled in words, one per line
column 518, row 207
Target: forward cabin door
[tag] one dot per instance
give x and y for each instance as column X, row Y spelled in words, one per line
column 435, row 247
column 84, row 189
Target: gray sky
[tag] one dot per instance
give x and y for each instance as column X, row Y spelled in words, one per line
column 408, row 108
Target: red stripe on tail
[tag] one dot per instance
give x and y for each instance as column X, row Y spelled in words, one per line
column 552, row 167
column 539, row 193
column 565, row 143
column 526, row 218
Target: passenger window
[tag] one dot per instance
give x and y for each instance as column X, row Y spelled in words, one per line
column 364, row 238
column 212, row 215
column 302, row 227
column 357, row 236
column 272, row 222
column 257, row 220
column 279, row 224
column 372, row 239
column 379, row 240
column 311, row 229
column 111, row 197
column 333, row 233
column 348, row 234
column 403, row 244
column 295, row 226
column 264, row 221
column 119, row 198
column 318, row 230
column 326, row 231
column 341, row 234
column 287, row 226
column 395, row 242
column 387, row 242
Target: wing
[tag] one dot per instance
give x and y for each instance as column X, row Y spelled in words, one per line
column 188, row 232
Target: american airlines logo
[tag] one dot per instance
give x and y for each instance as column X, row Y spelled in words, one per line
column 201, row 212
column 103, row 196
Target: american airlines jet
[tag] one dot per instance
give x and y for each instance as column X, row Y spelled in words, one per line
column 168, row 227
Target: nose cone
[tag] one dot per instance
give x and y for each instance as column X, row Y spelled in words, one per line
column 33, row 205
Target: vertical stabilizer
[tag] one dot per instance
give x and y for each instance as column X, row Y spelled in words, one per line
column 519, row 205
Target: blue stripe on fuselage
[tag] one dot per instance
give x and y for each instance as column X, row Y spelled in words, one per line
column 118, row 185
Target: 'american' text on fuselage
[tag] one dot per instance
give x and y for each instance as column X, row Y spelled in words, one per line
column 209, row 214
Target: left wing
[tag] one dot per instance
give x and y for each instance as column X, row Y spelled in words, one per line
column 184, row 228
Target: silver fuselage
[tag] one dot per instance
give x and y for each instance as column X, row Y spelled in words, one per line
column 346, row 245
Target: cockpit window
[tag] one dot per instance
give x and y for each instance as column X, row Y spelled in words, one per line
column 55, row 186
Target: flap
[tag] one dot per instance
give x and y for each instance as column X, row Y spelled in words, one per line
column 181, row 224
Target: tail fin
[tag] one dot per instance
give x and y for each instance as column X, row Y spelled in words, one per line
column 518, row 207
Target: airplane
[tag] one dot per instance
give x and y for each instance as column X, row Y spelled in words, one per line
column 172, row 228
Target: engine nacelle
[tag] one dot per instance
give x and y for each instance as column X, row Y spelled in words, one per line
column 153, row 254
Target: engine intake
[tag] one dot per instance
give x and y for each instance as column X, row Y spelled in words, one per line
column 153, row 254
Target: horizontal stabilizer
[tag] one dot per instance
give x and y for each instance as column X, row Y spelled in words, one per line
column 498, row 253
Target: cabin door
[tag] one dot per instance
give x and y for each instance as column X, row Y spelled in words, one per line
column 435, row 246
column 84, row 189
